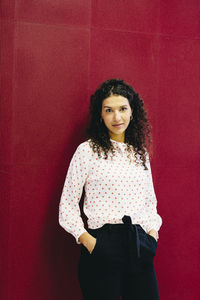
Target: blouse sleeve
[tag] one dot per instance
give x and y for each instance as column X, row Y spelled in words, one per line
column 154, row 220
column 69, row 210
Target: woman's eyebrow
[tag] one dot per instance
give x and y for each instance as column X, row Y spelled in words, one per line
column 114, row 106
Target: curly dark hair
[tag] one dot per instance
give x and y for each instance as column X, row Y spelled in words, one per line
column 137, row 134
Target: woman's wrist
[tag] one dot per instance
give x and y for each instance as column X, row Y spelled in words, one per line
column 88, row 241
column 83, row 239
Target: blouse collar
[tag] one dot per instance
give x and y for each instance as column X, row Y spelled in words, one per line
column 119, row 146
column 117, row 142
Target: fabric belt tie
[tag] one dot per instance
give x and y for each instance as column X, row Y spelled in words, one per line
column 132, row 233
column 131, row 228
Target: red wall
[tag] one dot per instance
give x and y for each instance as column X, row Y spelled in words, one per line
column 54, row 55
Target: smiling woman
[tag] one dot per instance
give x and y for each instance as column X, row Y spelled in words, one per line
column 113, row 166
column 116, row 113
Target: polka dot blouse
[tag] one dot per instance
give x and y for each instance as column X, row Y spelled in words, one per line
column 114, row 187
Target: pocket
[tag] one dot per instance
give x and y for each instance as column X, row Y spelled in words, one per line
column 95, row 246
column 148, row 235
column 101, row 249
column 148, row 244
column 151, row 237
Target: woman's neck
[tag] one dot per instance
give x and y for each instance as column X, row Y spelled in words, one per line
column 118, row 137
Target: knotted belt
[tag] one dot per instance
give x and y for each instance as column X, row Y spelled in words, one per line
column 132, row 237
column 131, row 228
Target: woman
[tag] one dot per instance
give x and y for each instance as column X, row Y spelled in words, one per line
column 113, row 166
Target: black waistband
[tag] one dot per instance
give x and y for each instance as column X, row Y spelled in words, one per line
column 131, row 229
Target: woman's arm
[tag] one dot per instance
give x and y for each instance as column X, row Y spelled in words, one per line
column 154, row 220
column 69, row 210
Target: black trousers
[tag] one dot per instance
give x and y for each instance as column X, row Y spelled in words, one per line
column 121, row 264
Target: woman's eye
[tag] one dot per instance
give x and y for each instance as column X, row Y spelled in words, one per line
column 109, row 109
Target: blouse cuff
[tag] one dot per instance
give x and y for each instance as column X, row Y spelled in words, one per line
column 155, row 225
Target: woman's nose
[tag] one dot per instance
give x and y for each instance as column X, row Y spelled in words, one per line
column 117, row 116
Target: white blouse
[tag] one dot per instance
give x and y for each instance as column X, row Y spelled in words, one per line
column 114, row 187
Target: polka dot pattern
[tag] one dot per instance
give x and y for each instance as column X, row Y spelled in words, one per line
column 113, row 188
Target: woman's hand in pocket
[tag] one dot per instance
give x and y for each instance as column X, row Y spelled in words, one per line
column 88, row 241
column 91, row 244
column 154, row 234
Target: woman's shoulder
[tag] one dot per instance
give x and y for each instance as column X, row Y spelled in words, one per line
column 84, row 146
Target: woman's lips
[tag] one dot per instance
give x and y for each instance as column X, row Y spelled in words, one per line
column 118, row 125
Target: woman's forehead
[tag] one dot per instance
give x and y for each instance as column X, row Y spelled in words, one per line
column 115, row 101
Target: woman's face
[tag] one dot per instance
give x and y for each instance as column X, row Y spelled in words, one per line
column 116, row 113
